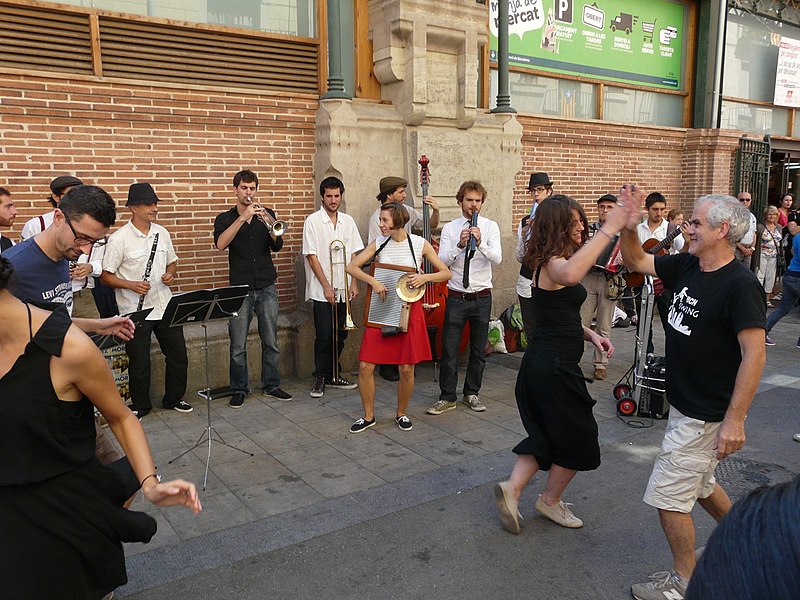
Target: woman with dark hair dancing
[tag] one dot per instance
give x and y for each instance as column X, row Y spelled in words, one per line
column 61, row 511
column 554, row 404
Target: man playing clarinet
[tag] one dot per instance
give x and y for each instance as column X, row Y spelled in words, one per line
column 140, row 264
column 469, row 246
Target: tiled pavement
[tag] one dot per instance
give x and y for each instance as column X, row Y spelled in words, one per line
column 303, row 454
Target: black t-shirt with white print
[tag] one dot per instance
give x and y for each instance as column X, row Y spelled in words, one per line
column 709, row 309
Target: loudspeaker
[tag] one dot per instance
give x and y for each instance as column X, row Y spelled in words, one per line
column 654, row 400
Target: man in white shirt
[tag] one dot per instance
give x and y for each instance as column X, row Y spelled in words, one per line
column 655, row 227
column 140, row 264
column 327, row 290
column 540, row 188
column 747, row 245
column 467, row 304
column 393, row 189
column 7, row 215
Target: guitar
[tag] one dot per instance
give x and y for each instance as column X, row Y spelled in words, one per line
column 655, row 247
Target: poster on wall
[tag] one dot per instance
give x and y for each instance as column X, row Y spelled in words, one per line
column 625, row 41
column 787, row 77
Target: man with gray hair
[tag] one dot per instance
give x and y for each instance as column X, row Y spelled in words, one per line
column 718, row 310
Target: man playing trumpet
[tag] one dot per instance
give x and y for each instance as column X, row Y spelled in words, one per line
column 327, row 285
column 251, row 233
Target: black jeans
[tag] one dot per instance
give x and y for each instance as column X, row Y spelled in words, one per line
column 457, row 313
column 323, row 343
column 173, row 347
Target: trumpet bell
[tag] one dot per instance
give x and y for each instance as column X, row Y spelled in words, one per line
column 349, row 325
column 406, row 292
column 278, row 228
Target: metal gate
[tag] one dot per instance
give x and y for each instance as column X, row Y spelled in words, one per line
column 752, row 172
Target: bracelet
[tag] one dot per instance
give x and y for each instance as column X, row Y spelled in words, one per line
column 605, row 233
column 156, row 475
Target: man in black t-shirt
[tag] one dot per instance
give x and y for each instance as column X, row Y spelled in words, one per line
column 250, row 242
column 715, row 355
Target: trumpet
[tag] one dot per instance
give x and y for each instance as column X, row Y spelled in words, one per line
column 275, row 227
column 349, row 325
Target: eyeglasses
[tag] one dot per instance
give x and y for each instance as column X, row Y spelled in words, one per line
column 81, row 240
column 539, row 189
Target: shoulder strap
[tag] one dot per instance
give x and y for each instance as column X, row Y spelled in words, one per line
column 411, row 247
column 536, row 276
column 41, row 223
column 382, row 246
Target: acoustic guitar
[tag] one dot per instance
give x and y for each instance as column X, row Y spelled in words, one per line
column 656, row 248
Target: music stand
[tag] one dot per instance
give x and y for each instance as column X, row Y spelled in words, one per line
column 202, row 306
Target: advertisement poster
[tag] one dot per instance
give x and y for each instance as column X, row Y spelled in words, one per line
column 615, row 40
column 787, row 78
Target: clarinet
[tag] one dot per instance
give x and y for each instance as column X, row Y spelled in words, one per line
column 471, row 246
column 148, row 268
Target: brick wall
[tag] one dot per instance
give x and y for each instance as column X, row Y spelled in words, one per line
column 586, row 159
column 187, row 143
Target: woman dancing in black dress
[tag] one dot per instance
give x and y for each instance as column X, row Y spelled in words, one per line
column 554, row 404
column 61, row 511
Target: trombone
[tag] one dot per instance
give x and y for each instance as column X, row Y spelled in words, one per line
column 341, row 264
column 275, row 227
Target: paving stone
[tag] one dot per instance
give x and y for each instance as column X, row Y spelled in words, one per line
column 397, row 464
column 340, row 480
column 220, row 511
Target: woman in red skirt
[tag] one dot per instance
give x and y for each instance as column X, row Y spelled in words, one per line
column 395, row 247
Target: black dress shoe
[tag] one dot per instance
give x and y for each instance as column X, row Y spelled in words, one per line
column 141, row 413
column 389, row 372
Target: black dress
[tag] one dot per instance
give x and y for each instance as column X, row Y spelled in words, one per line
column 554, row 404
column 61, row 515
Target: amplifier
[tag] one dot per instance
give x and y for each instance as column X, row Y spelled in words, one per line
column 653, row 402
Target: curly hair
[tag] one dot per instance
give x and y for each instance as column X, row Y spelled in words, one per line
column 551, row 231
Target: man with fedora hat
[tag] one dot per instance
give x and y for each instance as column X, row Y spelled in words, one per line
column 540, row 188
column 596, row 283
column 140, row 264
column 393, row 189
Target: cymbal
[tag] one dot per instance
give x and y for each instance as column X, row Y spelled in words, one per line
column 406, row 292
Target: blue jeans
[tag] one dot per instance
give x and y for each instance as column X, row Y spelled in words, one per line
column 790, row 294
column 264, row 302
column 457, row 313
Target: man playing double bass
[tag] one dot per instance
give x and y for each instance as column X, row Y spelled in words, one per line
column 393, row 189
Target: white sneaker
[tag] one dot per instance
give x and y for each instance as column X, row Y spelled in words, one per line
column 558, row 513
column 474, row 403
column 664, row 585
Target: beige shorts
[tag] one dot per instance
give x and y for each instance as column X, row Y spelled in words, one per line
column 684, row 470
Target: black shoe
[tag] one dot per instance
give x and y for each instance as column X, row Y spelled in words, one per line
column 623, row 323
column 318, row 391
column 389, row 372
column 183, row 407
column 141, row 413
column 342, row 384
column 277, row 393
column 237, row 401
column 361, row 425
column 404, row 423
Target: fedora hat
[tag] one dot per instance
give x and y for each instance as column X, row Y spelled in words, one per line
column 141, row 193
column 539, row 178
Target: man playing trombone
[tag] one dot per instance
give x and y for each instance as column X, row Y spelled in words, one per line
column 327, row 282
column 251, row 233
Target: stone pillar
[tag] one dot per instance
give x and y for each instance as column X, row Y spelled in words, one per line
column 426, row 57
column 708, row 162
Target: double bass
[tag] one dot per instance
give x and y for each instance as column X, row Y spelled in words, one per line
column 435, row 298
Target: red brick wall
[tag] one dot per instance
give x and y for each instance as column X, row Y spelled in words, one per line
column 587, row 159
column 187, row 143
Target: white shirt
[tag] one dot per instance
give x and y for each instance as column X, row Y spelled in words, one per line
column 95, row 257
column 644, row 233
column 127, row 253
column 414, row 220
column 318, row 233
column 488, row 253
column 750, row 237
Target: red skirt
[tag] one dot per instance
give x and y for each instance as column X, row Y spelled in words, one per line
column 407, row 348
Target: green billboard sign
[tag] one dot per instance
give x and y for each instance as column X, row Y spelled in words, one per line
column 615, row 40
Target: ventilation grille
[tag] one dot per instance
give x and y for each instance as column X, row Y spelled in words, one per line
column 35, row 38
column 156, row 52
column 38, row 39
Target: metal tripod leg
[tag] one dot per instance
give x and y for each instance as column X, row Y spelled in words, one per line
column 209, row 432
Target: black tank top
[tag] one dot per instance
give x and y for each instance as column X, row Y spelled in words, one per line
column 41, row 436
